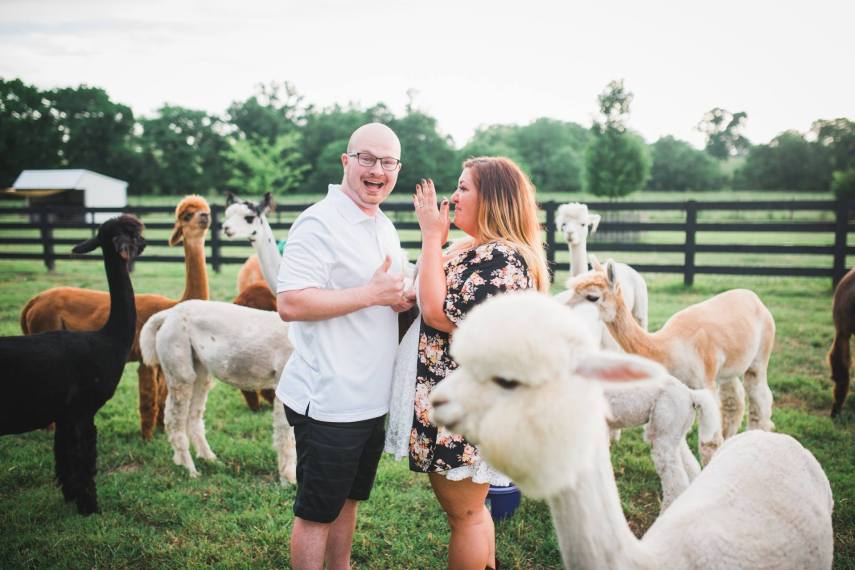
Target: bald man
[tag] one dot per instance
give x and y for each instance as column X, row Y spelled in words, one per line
column 340, row 286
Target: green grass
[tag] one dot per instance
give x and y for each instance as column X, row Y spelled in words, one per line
column 237, row 515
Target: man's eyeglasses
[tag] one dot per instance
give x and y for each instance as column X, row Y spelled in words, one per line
column 369, row 160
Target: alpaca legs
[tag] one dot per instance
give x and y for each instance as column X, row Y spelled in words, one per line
column 149, row 399
column 690, row 463
column 285, row 445
column 175, row 416
column 196, row 418
column 75, row 449
column 759, row 399
column 269, row 395
column 840, row 360
column 668, row 460
column 162, row 391
column 252, row 399
column 732, row 403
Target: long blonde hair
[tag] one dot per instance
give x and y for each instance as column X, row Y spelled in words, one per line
column 507, row 212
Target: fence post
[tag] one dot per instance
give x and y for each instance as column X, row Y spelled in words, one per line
column 842, row 219
column 549, row 207
column 46, row 232
column 216, row 262
column 691, row 223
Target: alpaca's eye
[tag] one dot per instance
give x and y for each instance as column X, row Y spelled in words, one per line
column 188, row 216
column 505, row 383
column 249, row 219
column 592, row 298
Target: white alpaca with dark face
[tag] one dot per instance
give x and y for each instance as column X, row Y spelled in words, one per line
column 536, row 410
column 248, row 220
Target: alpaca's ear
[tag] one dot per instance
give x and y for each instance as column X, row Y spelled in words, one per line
column 267, row 204
column 230, row 198
column 177, row 235
column 595, row 263
column 86, row 246
column 594, row 221
column 610, row 273
column 607, row 366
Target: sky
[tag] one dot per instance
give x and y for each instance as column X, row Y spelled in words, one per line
column 466, row 62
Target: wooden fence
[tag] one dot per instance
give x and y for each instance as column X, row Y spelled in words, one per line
column 685, row 213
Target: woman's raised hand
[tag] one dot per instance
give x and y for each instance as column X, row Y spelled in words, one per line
column 434, row 221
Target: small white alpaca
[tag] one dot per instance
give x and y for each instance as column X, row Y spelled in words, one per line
column 667, row 407
column 575, row 222
column 536, row 410
column 245, row 219
column 715, row 341
column 244, row 347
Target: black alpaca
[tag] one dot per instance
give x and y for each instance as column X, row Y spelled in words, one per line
column 843, row 313
column 65, row 377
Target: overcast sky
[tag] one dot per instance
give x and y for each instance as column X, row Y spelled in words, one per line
column 470, row 62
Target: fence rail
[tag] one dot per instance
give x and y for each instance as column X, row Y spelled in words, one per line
column 41, row 219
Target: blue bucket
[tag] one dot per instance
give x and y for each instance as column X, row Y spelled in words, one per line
column 503, row 501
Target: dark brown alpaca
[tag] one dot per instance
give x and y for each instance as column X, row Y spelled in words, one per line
column 843, row 311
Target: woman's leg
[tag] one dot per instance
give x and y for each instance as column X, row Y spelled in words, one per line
column 473, row 537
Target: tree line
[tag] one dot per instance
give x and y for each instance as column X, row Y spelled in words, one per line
column 275, row 140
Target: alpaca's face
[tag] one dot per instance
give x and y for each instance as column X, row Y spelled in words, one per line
column 192, row 219
column 593, row 288
column 574, row 222
column 241, row 221
column 515, row 354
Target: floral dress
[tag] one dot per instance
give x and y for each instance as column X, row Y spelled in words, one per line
column 471, row 277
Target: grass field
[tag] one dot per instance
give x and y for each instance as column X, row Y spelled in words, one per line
column 236, row 514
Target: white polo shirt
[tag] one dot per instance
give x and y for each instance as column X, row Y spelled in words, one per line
column 341, row 368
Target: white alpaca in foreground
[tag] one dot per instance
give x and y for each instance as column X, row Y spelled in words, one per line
column 714, row 341
column 574, row 221
column 536, row 410
column 244, row 347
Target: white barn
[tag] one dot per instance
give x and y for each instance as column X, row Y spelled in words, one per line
column 67, row 187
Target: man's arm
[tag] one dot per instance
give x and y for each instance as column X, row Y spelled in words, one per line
column 314, row 304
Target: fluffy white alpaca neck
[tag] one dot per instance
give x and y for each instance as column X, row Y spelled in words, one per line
column 592, row 530
column 268, row 253
column 578, row 257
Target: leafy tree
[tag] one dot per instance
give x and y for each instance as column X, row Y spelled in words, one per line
column 724, row 133
column 788, row 162
column 837, row 136
column 29, row 137
column 424, row 153
column 548, row 150
column 259, row 166
column 616, row 161
column 95, row 131
column 679, row 166
column 274, row 110
column 183, row 152
column 843, row 184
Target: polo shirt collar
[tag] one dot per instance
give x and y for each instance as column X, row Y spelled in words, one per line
column 346, row 207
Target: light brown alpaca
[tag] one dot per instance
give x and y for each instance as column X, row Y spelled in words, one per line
column 76, row 309
column 714, row 341
column 843, row 312
column 250, row 274
column 257, row 296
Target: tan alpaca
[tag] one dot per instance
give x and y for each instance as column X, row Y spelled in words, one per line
column 714, row 341
column 76, row 309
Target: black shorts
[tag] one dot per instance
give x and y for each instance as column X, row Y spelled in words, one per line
column 335, row 462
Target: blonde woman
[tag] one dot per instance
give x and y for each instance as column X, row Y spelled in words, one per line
column 494, row 205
